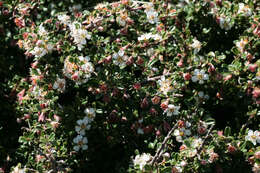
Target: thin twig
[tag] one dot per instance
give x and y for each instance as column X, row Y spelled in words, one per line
column 203, row 142
column 159, row 152
column 158, row 77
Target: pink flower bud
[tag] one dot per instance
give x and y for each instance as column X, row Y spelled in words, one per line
column 27, row 116
column 180, row 63
column 256, row 92
column 158, row 133
column 130, row 60
column 252, row 67
column 228, row 77
column 41, row 117
column 156, row 100
column 257, row 155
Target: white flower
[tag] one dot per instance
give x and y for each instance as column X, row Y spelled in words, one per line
column 82, row 126
column 42, row 31
column 147, row 36
column 39, row 52
column 225, row 23
column 244, row 9
column 59, row 84
column 252, row 136
column 256, row 168
column 88, row 67
column 181, row 134
column 120, row 59
column 192, row 153
column 148, row 7
column 152, row 16
column 49, row 47
column 91, row 113
column 196, row 45
column 199, row 75
column 142, row 160
column 65, row 19
column 165, row 85
column 18, row 169
column 80, row 35
column 122, row 19
column 172, row 110
column 197, row 142
column 241, row 44
column 81, row 142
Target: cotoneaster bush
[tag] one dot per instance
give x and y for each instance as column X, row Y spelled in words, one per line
column 133, row 86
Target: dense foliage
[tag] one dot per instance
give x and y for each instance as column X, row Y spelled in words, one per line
column 130, row 86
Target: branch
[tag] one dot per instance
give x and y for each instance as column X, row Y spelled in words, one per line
column 203, row 142
column 158, row 77
column 159, row 152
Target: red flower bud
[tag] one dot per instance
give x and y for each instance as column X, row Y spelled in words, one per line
column 158, row 133
column 103, row 88
column 231, row 149
column 211, row 68
column 187, row 76
column 164, row 105
column 153, row 111
column 137, row 86
column 139, row 61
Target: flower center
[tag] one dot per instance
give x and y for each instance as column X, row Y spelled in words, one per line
column 200, row 76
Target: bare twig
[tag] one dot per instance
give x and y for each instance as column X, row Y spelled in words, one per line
column 158, row 77
column 159, row 152
column 203, row 142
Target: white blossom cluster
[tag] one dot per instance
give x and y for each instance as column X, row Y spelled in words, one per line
column 142, row 160
column 151, row 13
column 165, row 85
column 225, row 23
column 43, row 46
column 244, row 10
column 79, row 72
column 182, row 132
column 77, row 31
column 147, row 36
column 79, row 34
column 80, row 141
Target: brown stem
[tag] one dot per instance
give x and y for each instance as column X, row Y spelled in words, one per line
column 159, row 152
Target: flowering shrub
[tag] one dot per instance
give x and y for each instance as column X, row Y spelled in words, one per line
column 134, row 86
